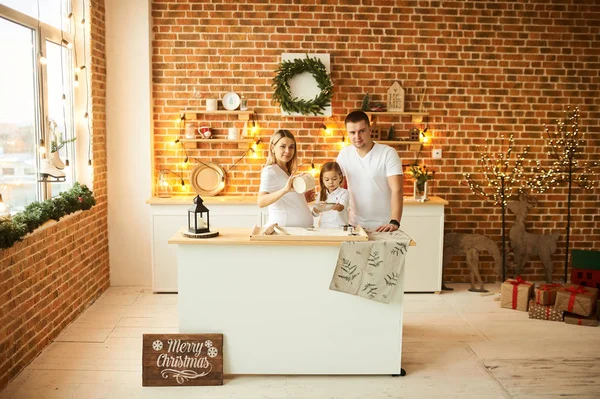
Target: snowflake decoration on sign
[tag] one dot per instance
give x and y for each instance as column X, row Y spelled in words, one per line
column 213, row 352
column 208, row 343
column 157, row 345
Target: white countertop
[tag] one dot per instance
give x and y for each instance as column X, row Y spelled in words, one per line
column 251, row 200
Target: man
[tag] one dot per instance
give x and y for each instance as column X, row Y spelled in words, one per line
column 374, row 175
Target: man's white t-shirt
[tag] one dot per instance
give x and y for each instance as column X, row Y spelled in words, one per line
column 334, row 219
column 291, row 209
column 367, row 177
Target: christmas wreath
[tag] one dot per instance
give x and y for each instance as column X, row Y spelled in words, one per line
column 283, row 95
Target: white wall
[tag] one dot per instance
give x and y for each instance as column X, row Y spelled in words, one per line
column 129, row 135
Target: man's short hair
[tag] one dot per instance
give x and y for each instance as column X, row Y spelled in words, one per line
column 357, row 116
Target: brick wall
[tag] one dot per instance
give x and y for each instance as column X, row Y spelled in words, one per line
column 50, row 277
column 491, row 68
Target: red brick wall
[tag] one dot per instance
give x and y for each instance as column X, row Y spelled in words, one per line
column 491, row 68
column 50, row 277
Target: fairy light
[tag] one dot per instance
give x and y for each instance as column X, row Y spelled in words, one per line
column 76, row 81
column 503, row 181
column 42, row 146
column 565, row 144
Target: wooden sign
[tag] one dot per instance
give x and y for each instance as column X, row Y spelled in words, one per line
column 395, row 98
column 182, row 359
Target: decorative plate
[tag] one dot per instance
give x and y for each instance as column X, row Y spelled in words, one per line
column 208, row 178
column 231, row 101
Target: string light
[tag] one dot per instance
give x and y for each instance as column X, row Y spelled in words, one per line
column 67, row 44
column 502, row 181
column 425, row 138
column 42, row 146
column 564, row 146
column 82, row 68
column 76, row 81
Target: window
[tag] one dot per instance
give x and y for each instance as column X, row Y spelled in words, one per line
column 36, row 100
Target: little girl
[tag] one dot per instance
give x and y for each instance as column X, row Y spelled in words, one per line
column 330, row 180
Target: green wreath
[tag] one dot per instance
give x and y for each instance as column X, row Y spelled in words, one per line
column 283, row 95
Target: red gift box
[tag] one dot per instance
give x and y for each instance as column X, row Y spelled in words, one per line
column 576, row 299
column 544, row 312
column 591, row 321
column 515, row 294
column 545, row 294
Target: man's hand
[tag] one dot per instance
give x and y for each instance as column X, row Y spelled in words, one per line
column 387, row 227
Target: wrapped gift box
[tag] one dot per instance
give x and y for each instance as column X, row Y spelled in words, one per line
column 515, row 294
column 544, row 312
column 545, row 294
column 572, row 318
column 576, row 299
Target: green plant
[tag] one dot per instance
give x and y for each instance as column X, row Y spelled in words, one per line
column 14, row 228
column 420, row 174
column 56, row 141
column 366, row 103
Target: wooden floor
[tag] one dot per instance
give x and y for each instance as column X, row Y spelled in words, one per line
column 456, row 345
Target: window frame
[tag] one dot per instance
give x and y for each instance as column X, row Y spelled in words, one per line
column 43, row 33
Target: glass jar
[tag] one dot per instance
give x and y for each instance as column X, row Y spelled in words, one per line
column 163, row 188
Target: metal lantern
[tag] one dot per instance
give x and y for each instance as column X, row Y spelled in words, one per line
column 198, row 217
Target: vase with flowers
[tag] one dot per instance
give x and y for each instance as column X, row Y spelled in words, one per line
column 420, row 175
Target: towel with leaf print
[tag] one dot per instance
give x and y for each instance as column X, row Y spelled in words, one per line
column 371, row 269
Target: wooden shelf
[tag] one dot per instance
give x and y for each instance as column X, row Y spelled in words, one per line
column 417, row 117
column 218, row 140
column 191, row 114
column 414, row 145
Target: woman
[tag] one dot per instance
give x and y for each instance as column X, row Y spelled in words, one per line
column 286, row 207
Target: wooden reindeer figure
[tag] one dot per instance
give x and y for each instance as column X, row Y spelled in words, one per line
column 471, row 245
column 526, row 244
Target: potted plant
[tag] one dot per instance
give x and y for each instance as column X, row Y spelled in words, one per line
column 420, row 175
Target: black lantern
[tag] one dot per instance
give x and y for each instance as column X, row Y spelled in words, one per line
column 198, row 217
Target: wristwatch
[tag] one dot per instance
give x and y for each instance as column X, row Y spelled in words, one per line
column 395, row 223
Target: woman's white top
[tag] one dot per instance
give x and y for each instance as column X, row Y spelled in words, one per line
column 334, row 219
column 290, row 210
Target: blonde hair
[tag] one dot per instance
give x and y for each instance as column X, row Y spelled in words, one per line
column 278, row 135
column 328, row 167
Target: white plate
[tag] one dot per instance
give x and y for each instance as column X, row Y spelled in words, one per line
column 208, row 178
column 231, row 101
column 324, row 206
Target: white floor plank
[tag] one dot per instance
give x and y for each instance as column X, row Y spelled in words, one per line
column 456, row 345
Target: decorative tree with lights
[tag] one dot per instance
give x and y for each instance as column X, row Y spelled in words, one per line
column 565, row 146
column 503, row 181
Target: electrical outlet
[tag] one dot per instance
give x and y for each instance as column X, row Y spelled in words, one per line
column 436, row 153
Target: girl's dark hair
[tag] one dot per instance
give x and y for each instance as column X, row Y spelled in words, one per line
column 328, row 167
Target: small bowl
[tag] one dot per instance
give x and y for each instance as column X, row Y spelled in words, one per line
column 324, row 206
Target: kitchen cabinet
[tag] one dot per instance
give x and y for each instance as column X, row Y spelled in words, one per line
column 422, row 221
column 273, row 302
column 169, row 215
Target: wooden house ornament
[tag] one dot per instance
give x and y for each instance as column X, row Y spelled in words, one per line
column 395, row 98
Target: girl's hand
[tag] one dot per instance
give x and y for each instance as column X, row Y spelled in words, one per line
column 338, row 207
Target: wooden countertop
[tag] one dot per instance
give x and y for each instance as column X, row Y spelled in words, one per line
column 251, row 200
column 241, row 236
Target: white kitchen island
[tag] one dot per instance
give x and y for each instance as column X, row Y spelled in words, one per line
column 272, row 303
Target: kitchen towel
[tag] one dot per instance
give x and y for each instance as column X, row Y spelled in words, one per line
column 371, row 269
